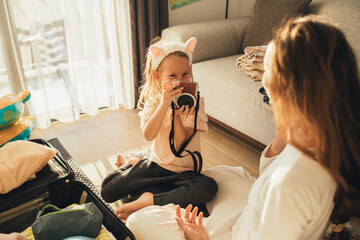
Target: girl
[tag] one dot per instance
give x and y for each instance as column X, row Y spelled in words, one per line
column 163, row 178
column 310, row 172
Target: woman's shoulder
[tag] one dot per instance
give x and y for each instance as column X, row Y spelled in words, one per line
column 295, row 169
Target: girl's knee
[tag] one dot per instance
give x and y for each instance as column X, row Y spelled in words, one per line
column 211, row 188
column 107, row 193
column 113, row 188
column 206, row 188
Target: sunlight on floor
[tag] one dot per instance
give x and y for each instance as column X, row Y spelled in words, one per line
column 96, row 171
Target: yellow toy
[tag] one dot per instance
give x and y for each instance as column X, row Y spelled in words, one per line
column 12, row 125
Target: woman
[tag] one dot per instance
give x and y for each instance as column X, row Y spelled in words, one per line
column 310, row 172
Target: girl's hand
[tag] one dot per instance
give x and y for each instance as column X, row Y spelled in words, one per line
column 170, row 93
column 191, row 228
column 184, row 110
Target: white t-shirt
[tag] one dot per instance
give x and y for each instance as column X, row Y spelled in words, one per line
column 292, row 199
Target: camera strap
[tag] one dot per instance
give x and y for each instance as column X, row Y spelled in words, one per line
column 197, row 169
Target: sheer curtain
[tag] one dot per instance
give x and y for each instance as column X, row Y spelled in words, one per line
column 75, row 56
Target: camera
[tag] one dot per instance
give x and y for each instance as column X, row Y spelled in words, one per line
column 188, row 95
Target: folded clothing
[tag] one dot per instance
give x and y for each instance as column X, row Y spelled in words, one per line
column 19, row 161
column 253, row 62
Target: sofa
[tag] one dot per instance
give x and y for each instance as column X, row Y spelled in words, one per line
column 232, row 99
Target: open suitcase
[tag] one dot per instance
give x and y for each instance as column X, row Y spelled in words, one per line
column 54, row 184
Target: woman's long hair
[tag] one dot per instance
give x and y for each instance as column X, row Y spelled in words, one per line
column 314, row 73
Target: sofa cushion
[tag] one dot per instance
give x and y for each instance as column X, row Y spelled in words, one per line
column 215, row 38
column 344, row 13
column 267, row 16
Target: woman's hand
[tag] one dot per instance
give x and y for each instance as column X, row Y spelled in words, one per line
column 170, row 93
column 184, row 110
column 192, row 229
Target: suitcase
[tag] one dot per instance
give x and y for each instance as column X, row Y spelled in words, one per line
column 54, row 184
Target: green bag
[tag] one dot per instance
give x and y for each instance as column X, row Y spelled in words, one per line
column 56, row 224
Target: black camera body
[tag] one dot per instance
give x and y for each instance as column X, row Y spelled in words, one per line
column 188, row 95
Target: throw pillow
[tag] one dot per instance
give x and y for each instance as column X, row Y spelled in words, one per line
column 267, row 17
column 223, row 214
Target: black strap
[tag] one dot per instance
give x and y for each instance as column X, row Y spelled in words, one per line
column 197, row 169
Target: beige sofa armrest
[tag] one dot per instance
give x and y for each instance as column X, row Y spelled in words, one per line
column 215, row 38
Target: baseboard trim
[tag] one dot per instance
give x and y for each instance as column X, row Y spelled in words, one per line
column 248, row 139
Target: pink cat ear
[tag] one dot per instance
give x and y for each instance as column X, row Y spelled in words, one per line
column 190, row 44
column 156, row 50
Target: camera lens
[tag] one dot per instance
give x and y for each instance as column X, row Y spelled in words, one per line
column 185, row 99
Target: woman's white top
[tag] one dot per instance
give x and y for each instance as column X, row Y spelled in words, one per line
column 291, row 199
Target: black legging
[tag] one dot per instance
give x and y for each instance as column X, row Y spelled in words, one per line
column 167, row 186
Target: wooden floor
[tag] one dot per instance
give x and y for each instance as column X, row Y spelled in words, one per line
column 95, row 141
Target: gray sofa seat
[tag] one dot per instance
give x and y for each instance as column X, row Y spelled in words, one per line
column 233, row 98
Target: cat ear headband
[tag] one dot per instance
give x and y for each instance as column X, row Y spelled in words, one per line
column 160, row 52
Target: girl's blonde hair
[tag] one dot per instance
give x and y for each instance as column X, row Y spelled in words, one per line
column 314, row 74
column 151, row 89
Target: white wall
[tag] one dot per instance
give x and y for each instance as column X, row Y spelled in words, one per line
column 199, row 11
column 207, row 10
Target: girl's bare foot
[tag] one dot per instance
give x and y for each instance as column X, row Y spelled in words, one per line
column 146, row 199
column 122, row 159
